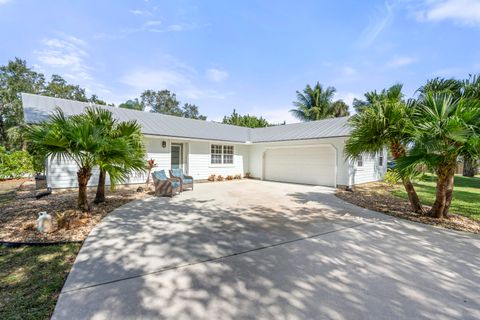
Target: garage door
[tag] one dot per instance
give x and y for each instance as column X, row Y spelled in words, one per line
column 309, row 165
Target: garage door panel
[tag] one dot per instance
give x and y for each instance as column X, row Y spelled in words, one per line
column 309, row 165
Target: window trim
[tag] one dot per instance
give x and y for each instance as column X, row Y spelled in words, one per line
column 362, row 161
column 222, row 154
column 381, row 157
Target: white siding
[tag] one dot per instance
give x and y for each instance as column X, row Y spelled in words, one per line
column 199, row 160
column 371, row 170
column 63, row 173
column 247, row 158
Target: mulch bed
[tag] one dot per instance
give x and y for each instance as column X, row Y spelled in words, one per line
column 376, row 196
column 18, row 215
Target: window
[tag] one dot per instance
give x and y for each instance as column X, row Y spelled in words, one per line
column 380, row 160
column 221, row 154
column 216, row 154
column 360, row 161
column 228, row 154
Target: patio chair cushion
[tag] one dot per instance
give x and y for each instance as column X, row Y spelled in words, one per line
column 160, row 175
column 177, row 172
column 175, row 184
column 187, row 180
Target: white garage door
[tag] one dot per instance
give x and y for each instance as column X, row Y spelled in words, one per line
column 308, row 165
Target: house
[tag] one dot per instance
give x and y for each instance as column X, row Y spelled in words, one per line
column 308, row 153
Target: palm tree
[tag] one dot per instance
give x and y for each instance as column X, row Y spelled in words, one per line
column 74, row 138
column 471, row 90
column 316, row 104
column 122, row 152
column 444, row 128
column 384, row 121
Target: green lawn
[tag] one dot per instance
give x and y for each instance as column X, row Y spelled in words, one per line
column 31, row 279
column 466, row 195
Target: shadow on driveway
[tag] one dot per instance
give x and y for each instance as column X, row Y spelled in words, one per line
column 254, row 249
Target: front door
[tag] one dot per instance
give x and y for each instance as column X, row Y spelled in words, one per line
column 177, row 155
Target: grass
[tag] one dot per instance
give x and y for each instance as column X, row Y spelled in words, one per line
column 466, row 195
column 31, row 279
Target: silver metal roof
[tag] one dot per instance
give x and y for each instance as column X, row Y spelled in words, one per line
column 327, row 128
column 37, row 108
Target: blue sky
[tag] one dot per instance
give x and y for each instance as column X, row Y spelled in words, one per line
column 247, row 55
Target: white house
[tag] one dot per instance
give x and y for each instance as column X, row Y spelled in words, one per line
column 309, row 152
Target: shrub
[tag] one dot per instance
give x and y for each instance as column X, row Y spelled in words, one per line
column 391, row 177
column 219, row 178
column 15, row 164
column 211, row 177
column 229, row 178
column 237, row 177
column 247, row 175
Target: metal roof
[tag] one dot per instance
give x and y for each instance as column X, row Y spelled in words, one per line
column 326, row 128
column 37, row 108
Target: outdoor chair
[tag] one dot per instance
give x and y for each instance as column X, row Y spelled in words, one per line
column 186, row 181
column 165, row 186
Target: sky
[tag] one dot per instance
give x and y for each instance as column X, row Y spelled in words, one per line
column 248, row 55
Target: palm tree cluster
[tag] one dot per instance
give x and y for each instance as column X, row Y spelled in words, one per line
column 436, row 129
column 317, row 103
column 93, row 138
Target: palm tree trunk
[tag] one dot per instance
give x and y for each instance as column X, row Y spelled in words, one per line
column 444, row 193
column 468, row 167
column 100, row 195
column 412, row 196
column 398, row 150
column 448, row 195
column 83, row 176
column 438, row 207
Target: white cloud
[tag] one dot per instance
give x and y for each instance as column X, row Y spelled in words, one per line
column 4, row 2
column 152, row 23
column 139, row 12
column 347, row 97
column 377, row 24
column 465, row 12
column 66, row 54
column 216, row 75
column 177, row 77
column 277, row 116
column 348, row 71
column 400, row 61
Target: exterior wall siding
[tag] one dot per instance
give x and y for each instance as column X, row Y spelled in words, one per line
column 371, row 170
column 199, row 166
column 247, row 158
column 62, row 173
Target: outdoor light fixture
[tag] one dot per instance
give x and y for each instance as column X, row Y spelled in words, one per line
column 164, row 144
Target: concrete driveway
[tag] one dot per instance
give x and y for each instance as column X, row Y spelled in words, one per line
column 264, row 250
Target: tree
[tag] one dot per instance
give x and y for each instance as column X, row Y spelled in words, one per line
column 75, row 138
column 317, row 103
column 162, row 101
column 191, row 111
column 245, row 120
column 15, row 77
column 94, row 99
column 445, row 127
column 471, row 90
column 59, row 88
column 122, row 151
column 340, row 109
column 384, row 121
column 132, row 104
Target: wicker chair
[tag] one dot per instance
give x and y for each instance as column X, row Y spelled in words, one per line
column 165, row 186
column 187, row 181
